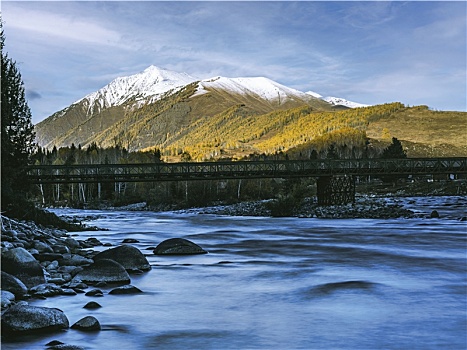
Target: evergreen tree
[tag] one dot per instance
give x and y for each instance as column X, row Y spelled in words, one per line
column 17, row 130
column 332, row 153
column 394, row 150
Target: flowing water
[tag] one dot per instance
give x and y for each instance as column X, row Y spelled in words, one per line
column 282, row 283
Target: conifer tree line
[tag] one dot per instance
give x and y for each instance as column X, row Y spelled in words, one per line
column 17, row 132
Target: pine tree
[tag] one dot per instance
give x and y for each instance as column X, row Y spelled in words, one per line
column 332, row 153
column 17, row 130
column 394, row 150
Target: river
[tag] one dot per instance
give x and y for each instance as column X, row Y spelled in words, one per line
column 282, row 283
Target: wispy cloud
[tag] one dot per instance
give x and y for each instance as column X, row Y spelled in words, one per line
column 60, row 26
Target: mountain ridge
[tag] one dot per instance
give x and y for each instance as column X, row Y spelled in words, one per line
column 224, row 117
column 124, row 94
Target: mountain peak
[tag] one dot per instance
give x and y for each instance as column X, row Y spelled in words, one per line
column 165, row 74
column 153, row 81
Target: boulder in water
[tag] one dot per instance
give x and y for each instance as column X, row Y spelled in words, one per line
column 128, row 256
column 104, row 270
column 22, row 318
column 58, row 345
column 178, row 246
column 95, row 293
column 88, row 324
column 130, row 240
column 92, row 305
column 128, row 289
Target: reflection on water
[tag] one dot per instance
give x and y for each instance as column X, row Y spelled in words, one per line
column 283, row 283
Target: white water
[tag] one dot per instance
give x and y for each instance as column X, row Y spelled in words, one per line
column 280, row 283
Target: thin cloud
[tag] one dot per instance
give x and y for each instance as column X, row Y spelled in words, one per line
column 62, row 26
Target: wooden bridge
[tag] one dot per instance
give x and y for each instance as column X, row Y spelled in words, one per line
column 333, row 175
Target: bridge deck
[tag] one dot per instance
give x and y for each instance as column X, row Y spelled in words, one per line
column 43, row 174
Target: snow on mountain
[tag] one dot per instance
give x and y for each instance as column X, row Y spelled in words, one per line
column 343, row 102
column 314, row 94
column 260, row 86
column 337, row 100
column 152, row 82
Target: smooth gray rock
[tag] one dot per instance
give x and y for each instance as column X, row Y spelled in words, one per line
column 130, row 240
column 60, row 249
column 21, row 318
column 14, row 285
column 128, row 256
column 95, row 293
column 127, row 289
column 104, row 270
column 88, row 324
column 65, row 347
column 92, row 305
column 74, row 260
column 57, row 280
column 7, row 299
column 46, row 290
column 52, row 266
column 72, row 243
column 42, row 247
column 21, row 264
column 178, row 246
column 48, row 256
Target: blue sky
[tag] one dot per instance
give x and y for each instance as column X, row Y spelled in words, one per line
column 367, row 52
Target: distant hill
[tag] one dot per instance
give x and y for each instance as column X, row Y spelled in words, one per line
column 235, row 117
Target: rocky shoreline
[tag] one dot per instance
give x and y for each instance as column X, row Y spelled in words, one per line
column 365, row 207
column 41, row 262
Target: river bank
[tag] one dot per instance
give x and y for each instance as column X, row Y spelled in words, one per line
column 377, row 200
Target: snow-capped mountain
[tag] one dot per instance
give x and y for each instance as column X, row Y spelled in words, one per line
column 337, row 101
column 106, row 115
column 151, row 84
column 314, row 94
column 343, row 102
column 144, row 86
column 265, row 88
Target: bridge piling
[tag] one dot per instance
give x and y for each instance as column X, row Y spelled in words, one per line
column 335, row 190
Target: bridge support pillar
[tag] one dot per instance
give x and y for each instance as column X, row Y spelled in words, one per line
column 335, row 190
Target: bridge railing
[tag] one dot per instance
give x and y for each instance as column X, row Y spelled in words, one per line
column 243, row 169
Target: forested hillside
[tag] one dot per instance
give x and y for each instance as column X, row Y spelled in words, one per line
column 216, row 126
column 239, row 131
